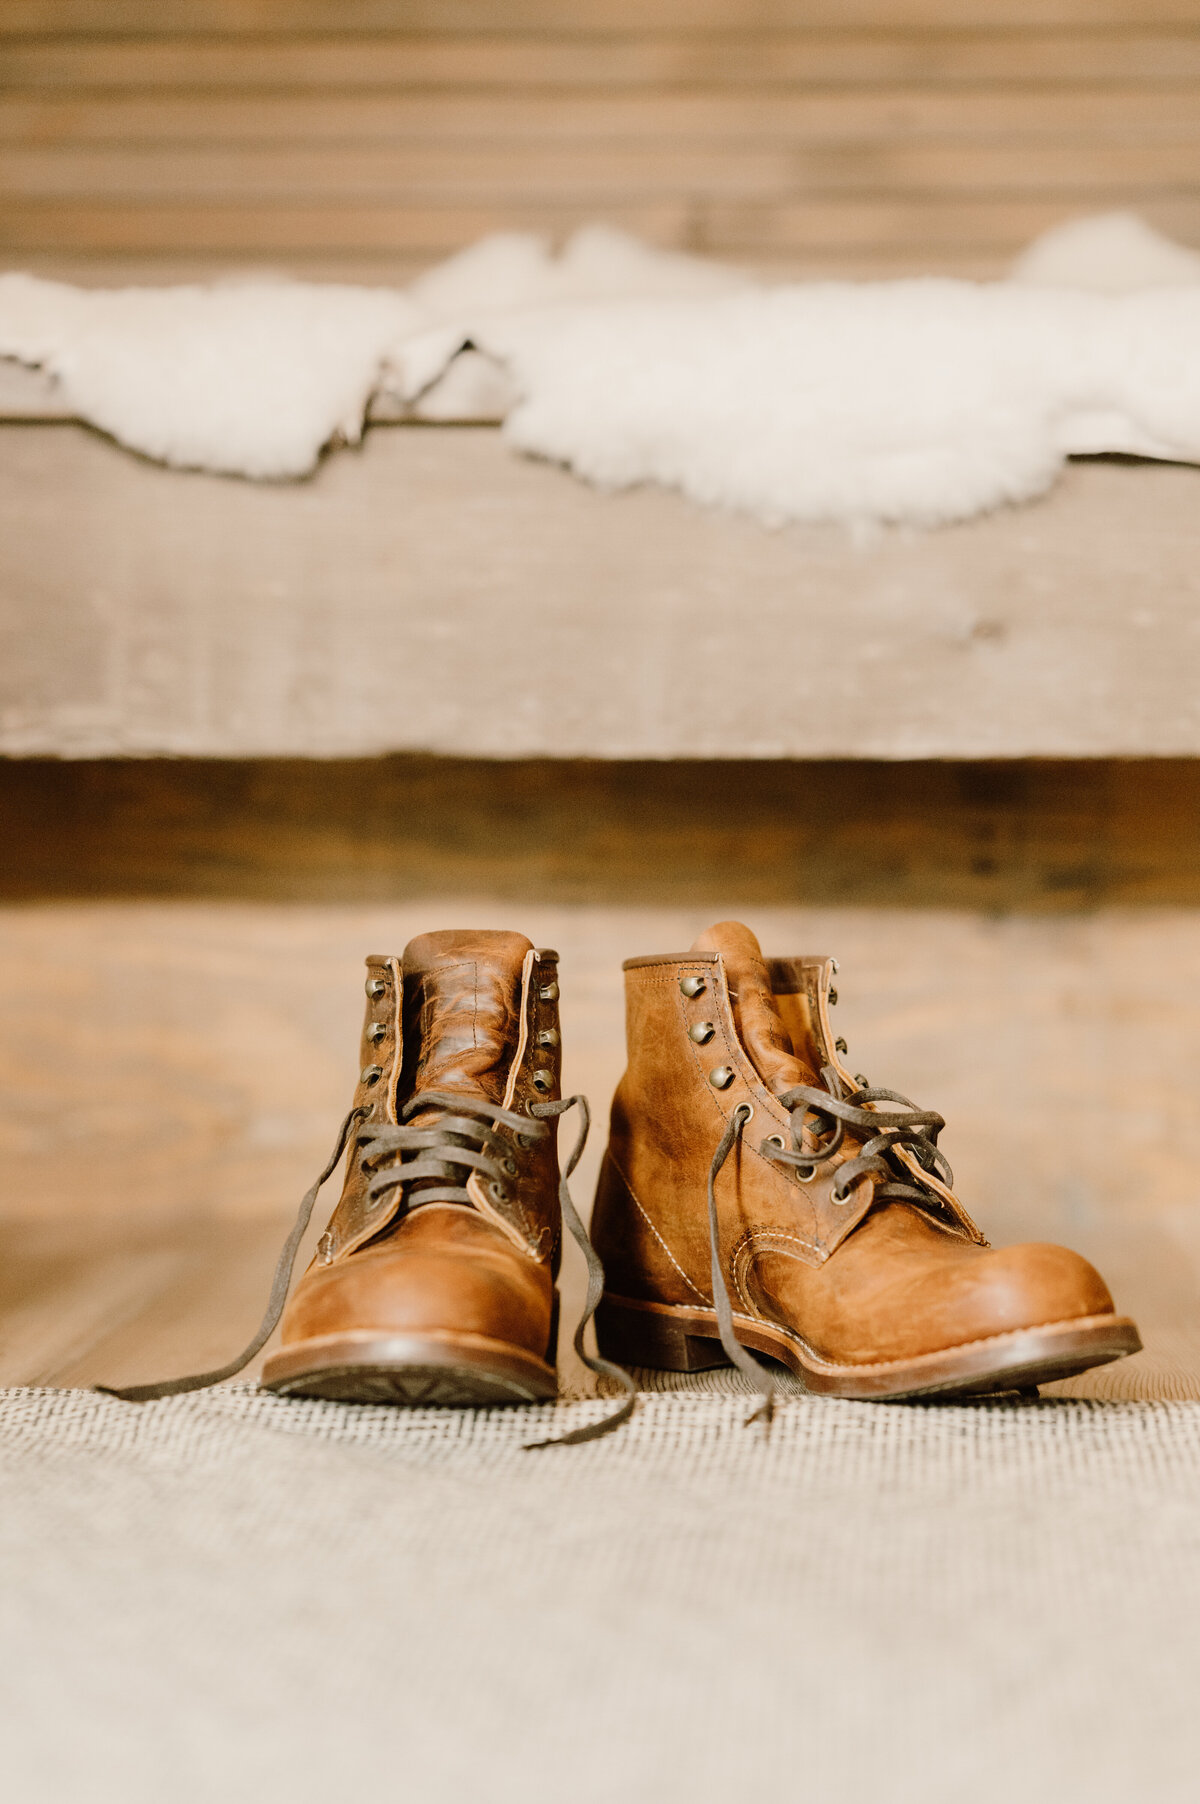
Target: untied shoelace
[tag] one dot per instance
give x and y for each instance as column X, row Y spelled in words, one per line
column 439, row 1147
column 910, row 1127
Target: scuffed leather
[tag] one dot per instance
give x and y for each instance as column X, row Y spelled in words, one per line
column 465, row 1012
column 857, row 1283
column 779, row 1060
column 460, row 1011
column 443, row 1269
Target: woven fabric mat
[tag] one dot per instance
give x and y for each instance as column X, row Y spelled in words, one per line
column 235, row 1597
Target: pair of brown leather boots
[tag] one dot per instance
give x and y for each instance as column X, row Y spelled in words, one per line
column 754, row 1195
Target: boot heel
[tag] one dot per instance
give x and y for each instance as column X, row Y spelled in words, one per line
column 649, row 1337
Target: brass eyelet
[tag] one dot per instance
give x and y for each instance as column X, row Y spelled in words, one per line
column 692, row 986
column 701, row 1032
column 721, row 1076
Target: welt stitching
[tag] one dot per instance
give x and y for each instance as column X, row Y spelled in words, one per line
column 960, row 1346
column 883, row 1365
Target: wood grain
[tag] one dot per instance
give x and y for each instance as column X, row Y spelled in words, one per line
column 340, row 616
column 117, row 17
column 470, row 175
column 851, row 139
column 706, row 116
column 1041, row 837
column 760, row 58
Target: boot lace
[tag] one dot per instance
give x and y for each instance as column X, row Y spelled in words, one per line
column 433, row 1155
column 819, row 1119
column 818, row 1123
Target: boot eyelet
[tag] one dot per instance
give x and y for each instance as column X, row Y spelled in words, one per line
column 548, row 993
column 543, row 1081
column 377, row 1031
column 498, row 1193
column 692, row 986
column 376, row 987
column 840, row 1198
column 548, row 1037
column 839, row 1045
column 701, row 1032
column 833, row 998
column 744, row 1112
column 510, row 1166
column 721, row 1076
column 525, row 1140
column 775, row 1140
column 371, row 1074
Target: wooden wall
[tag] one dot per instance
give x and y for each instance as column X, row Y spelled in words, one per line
column 371, row 137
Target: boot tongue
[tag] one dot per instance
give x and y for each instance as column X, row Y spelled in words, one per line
column 462, row 994
column 755, row 1011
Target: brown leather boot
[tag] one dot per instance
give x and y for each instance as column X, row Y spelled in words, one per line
column 755, row 1194
column 434, row 1282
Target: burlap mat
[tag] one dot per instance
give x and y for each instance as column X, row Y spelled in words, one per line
column 232, row 1596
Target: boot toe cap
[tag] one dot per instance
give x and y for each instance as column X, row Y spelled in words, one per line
column 483, row 1288
column 1006, row 1289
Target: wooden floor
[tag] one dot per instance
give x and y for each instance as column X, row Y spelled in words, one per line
column 172, row 1073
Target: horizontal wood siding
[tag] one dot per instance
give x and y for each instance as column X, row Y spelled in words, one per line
column 372, row 137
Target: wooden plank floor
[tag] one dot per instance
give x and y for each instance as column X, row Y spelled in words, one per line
column 171, row 1074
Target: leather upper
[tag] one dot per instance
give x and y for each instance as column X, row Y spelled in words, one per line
column 857, row 1281
column 472, row 1014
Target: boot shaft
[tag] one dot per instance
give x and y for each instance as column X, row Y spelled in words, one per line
column 461, row 1014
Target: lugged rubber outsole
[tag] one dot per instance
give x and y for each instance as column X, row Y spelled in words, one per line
column 680, row 1338
column 431, row 1370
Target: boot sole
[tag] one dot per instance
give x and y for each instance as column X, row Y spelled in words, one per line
column 431, row 1370
column 677, row 1338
